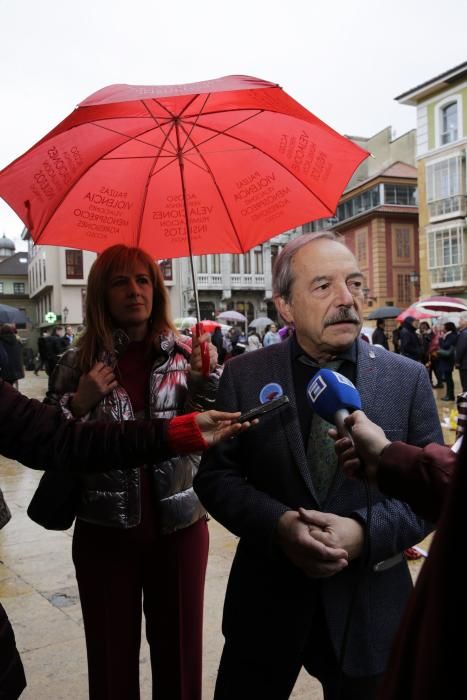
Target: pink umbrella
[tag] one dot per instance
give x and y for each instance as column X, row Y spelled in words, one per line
column 442, row 304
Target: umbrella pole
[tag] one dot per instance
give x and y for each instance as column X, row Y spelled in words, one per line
column 187, row 221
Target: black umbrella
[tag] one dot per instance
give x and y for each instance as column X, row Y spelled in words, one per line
column 10, row 314
column 384, row 312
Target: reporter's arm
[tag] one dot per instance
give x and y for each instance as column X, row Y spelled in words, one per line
column 38, row 436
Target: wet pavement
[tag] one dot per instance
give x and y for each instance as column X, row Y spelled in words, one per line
column 39, row 592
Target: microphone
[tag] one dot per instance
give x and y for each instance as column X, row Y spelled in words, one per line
column 333, row 397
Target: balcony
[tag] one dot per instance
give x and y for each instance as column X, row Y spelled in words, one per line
column 209, row 281
column 448, row 208
column 451, row 277
column 246, row 281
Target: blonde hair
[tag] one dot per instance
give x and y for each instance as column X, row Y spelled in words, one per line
column 98, row 334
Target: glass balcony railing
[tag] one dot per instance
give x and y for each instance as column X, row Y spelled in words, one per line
column 451, row 206
column 451, row 276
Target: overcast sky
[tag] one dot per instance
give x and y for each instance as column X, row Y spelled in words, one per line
column 345, row 60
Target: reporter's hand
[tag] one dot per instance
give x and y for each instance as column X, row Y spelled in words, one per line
column 314, row 557
column 219, row 425
column 92, row 388
column 196, row 360
column 362, row 457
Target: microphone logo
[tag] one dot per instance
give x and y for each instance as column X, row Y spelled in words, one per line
column 316, row 388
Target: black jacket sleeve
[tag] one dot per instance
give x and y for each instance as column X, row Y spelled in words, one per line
column 39, row 436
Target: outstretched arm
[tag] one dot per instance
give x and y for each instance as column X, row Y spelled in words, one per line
column 39, row 436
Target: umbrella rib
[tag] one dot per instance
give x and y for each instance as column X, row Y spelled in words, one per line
column 267, row 155
column 209, row 171
column 100, row 157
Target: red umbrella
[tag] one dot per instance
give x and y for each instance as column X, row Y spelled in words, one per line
column 207, row 326
column 211, row 167
column 415, row 313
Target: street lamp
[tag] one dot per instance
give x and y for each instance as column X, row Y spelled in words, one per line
column 65, row 313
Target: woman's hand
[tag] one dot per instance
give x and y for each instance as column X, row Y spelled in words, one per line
column 92, row 388
column 196, row 361
column 219, row 425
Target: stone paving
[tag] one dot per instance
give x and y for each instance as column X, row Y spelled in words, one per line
column 39, row 592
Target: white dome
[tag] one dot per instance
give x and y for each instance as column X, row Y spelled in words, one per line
column 6, row 244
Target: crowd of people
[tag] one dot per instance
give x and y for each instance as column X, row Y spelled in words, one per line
column 319, row 579
column 441, row 347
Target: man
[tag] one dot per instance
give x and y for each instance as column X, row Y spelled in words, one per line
column 69, row 335
column 410, row 345
column 309, row 587
column 379, row 336
column 55, row 345
column 461, row 350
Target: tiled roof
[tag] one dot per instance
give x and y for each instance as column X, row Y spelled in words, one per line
column 13, row 265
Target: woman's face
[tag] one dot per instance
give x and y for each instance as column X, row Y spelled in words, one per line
column 130, row 297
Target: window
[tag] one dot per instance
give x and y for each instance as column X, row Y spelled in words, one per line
column 356, row 205
column 405, row 195
column 1, row 287
column 235, row 264
column 449, row 123
column 216, row 264
column 202, row 264
column 19, row 288
column 403, row 243
column 166, row 269
column 247, row 263
column 446, row 257
column 443, row 179
column 259, row 261
column 73, row 264
column 44, row 277
column 403, row 290
column 445, row 247
column 444, row 186
column 361, row 251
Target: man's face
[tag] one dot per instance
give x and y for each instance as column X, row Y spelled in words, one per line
column 326, row 298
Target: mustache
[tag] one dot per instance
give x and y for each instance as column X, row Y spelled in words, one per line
column 342, row 316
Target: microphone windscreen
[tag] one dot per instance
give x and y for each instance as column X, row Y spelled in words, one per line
column 329, row 392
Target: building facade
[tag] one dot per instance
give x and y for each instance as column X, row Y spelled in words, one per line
column 14, row 284
column 57, row 283
column 378, row 218
column 441, row 163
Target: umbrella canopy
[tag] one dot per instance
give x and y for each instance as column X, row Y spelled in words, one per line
column 261, row 322
column 10, row 314
column 207, row 326
column 231, row 316
column 417, row 313
column 442, row 305
column 185, row 322
column 384, row 312
column 211, row 167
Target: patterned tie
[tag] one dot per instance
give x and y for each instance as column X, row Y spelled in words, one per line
column 321, row 456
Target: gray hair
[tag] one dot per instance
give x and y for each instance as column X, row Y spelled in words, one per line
column 282, row 277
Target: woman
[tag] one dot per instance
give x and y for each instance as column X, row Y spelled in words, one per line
column 141, row 532
column 447, row 356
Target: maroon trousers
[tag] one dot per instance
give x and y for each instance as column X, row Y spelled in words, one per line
column 121, row 572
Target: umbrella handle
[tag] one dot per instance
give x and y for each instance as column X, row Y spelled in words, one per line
column 204, row 347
